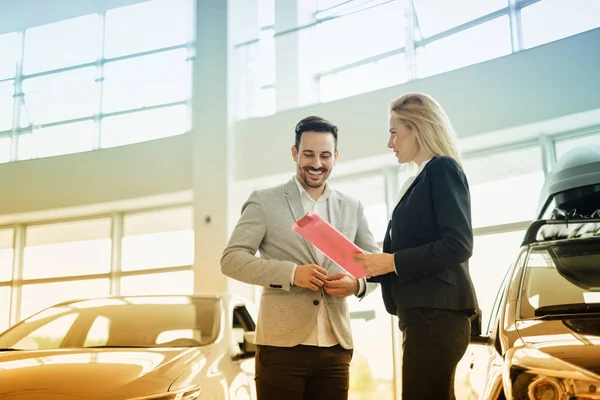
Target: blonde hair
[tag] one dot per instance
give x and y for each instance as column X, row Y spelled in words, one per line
column 430, row 123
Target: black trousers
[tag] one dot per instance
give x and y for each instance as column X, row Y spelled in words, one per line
column 302, row 373
column 434, row 341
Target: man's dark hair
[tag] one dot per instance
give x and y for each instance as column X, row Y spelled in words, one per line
column 315, row 124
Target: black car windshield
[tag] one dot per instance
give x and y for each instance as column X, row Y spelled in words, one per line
column 119, row 322
column 562, row 278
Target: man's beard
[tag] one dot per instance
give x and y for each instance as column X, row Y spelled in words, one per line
column 308, row 181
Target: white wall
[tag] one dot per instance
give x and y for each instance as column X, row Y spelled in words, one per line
column 139, row 170
column 555, row 80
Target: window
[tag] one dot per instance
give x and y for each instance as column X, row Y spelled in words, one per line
column 435, row 16
column 39, row 296
column 265, row 102
column 325, row 4
column 76, row 40
column 25, row 149
column 483, row 42
column 6, row 254
column 48, row 336
column 158, row 239
column 62, row 96
column 565, row 17
column 145, row 81
column 505, row 187
column 564, row 145
column 147, row 26
column 266, row 58
column 266, row 13
column 379, row 74
column 67, row 249
column 370, row 190
column 180, row 282
column 371, row 369
column 7, row 89
column 5, row 144
column 9, row 48
column 354, row 37
column 145, row 125
column 4, row 307
column 62, row 139
column 98, row 334
column 492, row 256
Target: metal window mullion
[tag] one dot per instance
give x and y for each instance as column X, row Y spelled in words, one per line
column 17, row 275
column 548, row 152
column 100, row 81
column 409, row 40
column 17, row 99
column 516, row 34
column 116, row 236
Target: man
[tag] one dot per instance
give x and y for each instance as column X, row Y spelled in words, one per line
column 303, row 331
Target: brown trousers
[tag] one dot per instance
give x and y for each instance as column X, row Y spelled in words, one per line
column 302, row 373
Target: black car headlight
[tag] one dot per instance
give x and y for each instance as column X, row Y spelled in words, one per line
column 190, row 393
column 530, row 374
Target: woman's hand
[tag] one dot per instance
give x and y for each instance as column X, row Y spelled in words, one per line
column 376, row 264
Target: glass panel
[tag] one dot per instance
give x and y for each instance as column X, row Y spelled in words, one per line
column 564, row 16
column 383, row 73
column 39, row 296
column 370, row 191
column 4, row 307
column 158, row 239
column 483, row 42
column 63, row 139
column 145, row 81
column 25, row 146
column 6, row 254
column 371, row 369
column 5, row 143
column 67, row 249
column 265, row 102
column 266, row 12
column 358, row 36
column 564, row 145
column 147, row 26
column 505, row 187
column 435, row 16
column 98, row 334
column 9, row 48
column 7, row 89
column 62, row 44
column 265, row 61
column 48, row 336
column 492, row 256
column 325, row 4
column 58, row 97
column 145, row 125
column 181, row 282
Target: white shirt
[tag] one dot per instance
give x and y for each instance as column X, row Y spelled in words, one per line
column 321, row 335
column 409, row 182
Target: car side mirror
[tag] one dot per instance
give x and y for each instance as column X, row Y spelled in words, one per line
column 249, row 344
column 479, row 339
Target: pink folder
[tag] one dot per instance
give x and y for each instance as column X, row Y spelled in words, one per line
column 330, row 242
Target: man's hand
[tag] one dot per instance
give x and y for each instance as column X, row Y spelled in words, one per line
column 341, row 285
column 310, row 276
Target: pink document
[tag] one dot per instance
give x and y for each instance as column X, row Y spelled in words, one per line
column 330, row 242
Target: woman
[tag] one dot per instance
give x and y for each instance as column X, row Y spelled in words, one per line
column 423, row 269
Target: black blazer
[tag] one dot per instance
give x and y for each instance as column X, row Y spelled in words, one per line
column 432, row 240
